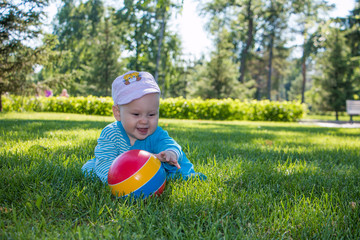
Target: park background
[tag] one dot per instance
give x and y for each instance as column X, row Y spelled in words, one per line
column 303, row 51
column 268, row 62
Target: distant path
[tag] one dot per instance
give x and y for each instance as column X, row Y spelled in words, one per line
column 335, row 124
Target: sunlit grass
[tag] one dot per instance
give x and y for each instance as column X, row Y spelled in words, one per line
column 331, row 117
column 266, row 180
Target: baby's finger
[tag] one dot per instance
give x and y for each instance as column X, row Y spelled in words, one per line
column 174, row 163
column 177, row 165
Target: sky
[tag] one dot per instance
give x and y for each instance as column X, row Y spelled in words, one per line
column 191, row 28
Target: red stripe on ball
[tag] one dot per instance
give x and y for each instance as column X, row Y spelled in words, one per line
column 135, row 159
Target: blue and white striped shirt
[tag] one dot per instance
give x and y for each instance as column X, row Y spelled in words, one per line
column 113, row 141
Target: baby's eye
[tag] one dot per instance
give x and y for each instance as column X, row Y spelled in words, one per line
column 136, row 114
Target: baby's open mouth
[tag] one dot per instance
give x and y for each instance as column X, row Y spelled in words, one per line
column 143, row 130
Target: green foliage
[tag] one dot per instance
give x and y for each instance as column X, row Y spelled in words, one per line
column 178, row 108
column 230, row 109
column 266, row 180
column 83, row 105
column 81, row 33
column 20, row 23
column 98, row 42
column 218, row 79
column 295, row 90
column 335, row 85
column 104, row 66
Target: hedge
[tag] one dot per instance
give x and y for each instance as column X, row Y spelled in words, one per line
column 84, row 105
column 179, row 108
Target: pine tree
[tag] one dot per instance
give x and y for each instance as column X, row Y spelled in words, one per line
column 335, row 82
column 20, row 21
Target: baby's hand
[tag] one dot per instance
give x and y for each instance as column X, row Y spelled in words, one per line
column 168, row 157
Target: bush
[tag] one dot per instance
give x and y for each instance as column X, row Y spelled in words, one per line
column 84, row 105
column 230, row 109
column 178, row 108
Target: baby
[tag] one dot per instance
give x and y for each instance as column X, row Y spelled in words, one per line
column 136, row 98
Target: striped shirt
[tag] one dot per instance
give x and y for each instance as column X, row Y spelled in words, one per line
column 114, row 141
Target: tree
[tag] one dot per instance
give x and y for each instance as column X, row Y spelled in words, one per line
column 257, row 71
column 292, row 86
column 276, row 14
column 172, row 73
column 151, row 45
column 139, row 18
column 307, row 13
column 77, row 27
column 249, row 16
column 220, row 74
column 97, row 43
column 162, row 8
column 166, row 49
column 20, row 22
column 241, row 18
column 335, row 82
column 104, row 67
column 352, row 33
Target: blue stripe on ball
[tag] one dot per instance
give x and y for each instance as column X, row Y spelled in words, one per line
column 151, row 186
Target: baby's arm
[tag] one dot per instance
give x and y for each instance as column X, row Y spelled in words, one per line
column 169, row 157
column 167, row 150
column 105, row 152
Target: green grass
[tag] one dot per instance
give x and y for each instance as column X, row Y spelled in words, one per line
column 265, row 181
column 331, row 117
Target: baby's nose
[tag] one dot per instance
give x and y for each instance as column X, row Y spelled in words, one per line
column 144, row 119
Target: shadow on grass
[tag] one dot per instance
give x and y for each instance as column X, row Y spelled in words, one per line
column 204, row 143
column 270, row 142
column 268, row 161
column 267, row 128
column 45, row 171
column 248, row 174
column 32, row 129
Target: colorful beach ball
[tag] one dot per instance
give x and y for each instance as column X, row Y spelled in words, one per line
column 137, row 173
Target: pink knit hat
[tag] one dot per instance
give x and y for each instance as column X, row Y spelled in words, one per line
column 133, row 85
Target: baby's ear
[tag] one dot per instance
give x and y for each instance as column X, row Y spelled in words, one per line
column 116, row 112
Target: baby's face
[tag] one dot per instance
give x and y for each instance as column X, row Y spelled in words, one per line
column 139, row 117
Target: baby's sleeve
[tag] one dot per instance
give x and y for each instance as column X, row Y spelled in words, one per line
column 105, row 153
column 165, row 142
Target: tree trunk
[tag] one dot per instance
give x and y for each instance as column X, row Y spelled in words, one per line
column 249, row 41
column 270, row 65
column 158, row 57
column 303, row 72
column 258, row 91
column 137, row 53
column 1, row 108
column 303, row 66
column 107, row 74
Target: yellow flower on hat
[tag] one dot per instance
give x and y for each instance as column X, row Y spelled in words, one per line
column 131, row 77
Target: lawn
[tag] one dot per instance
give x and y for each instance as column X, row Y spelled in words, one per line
column 331, row 117
column 266, row 180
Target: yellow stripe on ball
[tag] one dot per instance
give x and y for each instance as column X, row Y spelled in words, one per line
column 142, row 176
